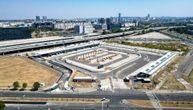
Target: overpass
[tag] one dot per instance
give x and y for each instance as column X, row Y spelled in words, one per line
column 15, row 46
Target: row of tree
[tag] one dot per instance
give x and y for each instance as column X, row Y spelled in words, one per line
column 2, row 105
column 16, row 86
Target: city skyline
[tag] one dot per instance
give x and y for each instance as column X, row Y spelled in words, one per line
column 28, row 9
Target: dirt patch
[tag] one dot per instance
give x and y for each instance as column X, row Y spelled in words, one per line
column 180, row 104
column 22, row 69
column 142, row 103
column 66, row 100
column 173, row 84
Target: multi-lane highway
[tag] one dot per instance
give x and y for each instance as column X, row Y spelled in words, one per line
column 114, row 104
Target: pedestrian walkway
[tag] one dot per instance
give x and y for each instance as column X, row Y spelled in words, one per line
column 154, row 100
column 158, row 86
column 186, row 84
column 118, row 84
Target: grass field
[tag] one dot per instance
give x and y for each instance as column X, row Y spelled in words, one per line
column 189, row 78
column 22, row 69
column 162, row 46
column 142, row 103
column 173, row 84
column 180, row 104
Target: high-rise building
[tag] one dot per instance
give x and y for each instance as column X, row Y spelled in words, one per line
column 101, row 21
column 148, row 17
column 44, row 18
column 109, row 22
column 38, row 18
column 119, row 19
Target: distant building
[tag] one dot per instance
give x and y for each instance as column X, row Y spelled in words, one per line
column 88, row 28
column 101, row 21
column 13, row 24
column 109, row 22
column 119, row 19
column 68, row 24
column 4, row 24
column 114, row 26
column 126, row 26
column 84, row 29
column 100, row 26
column 44, row 18
column 148, row 17
column 43, row 25
column 15, row 33
column 78, row 29
column 190, row 28
column 136, row 23
column 38, row 18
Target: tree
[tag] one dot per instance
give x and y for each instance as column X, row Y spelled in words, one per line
column 24, row 85
column 16, row 85
column 143, row 32
column 36, row 86
column 2, row 105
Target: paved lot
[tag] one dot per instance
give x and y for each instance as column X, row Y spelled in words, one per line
column 125, row 69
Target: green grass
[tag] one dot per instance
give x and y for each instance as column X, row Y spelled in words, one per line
column 162, row 46
column 173, row 84
column 189, row 78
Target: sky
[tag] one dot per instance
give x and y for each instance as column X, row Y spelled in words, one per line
column 67, row 9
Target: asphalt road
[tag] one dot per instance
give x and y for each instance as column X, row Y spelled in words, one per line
column 88, row 107
column 115, row 97
column 60, row 107
column 114, row 104
column 186, row 65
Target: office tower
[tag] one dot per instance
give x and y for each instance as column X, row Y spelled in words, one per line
column 44, row 18
column 38, row 18
column 119, row 18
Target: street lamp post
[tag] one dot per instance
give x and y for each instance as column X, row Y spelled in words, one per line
column 102, row 105
column 102, row 100
column 19, row 103
column 18, row 107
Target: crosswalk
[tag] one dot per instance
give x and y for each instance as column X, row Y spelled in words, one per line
column 185, row 83
column 154, row 100
column 118, row 84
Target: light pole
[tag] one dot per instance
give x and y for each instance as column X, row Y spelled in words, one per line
column 1, row 93
column 23, row 96
column 18, row 107
column 102, row 100
column 19, row 103
column 102, row 105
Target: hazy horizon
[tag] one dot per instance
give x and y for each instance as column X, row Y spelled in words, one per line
column 68, row 9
